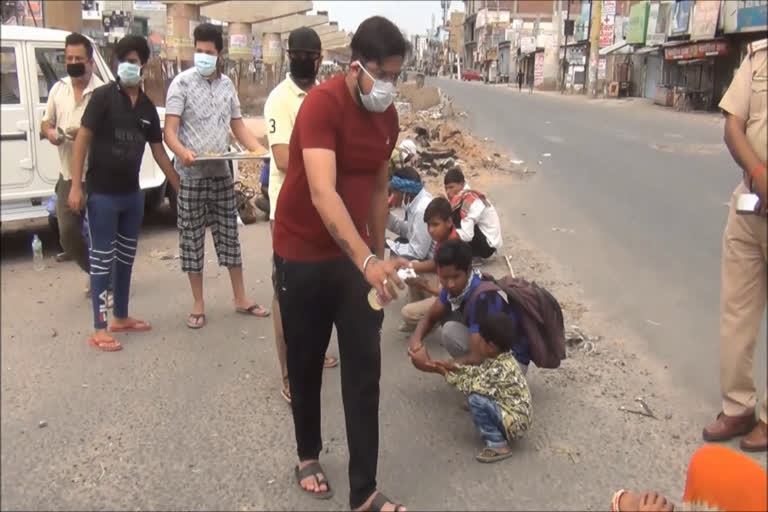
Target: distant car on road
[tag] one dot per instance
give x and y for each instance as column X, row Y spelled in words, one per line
column 471, row 75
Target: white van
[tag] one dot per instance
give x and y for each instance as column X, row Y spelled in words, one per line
column 31, row 61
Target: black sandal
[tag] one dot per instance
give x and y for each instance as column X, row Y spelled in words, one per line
column 313, row 470
column 380, row 500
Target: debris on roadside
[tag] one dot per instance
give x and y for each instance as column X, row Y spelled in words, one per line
column 644, row 411
column 42, row 424
column 162, row 255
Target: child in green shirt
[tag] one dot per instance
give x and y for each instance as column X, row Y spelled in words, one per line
column 498, row 394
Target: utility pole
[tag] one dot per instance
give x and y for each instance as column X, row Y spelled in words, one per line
column 558, row 18
column 595, row 24
column 565, row 50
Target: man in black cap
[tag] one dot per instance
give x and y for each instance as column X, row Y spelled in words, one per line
column 304, row 54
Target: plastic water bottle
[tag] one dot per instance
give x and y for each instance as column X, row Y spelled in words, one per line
column 37, row 254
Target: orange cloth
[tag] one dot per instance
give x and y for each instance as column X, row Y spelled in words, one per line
column 722, row 479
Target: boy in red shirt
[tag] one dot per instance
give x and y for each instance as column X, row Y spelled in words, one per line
column 332, row 209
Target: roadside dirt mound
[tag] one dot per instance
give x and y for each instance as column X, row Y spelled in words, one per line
column 422, row 98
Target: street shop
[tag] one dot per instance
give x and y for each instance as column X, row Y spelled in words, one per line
column 697, row 73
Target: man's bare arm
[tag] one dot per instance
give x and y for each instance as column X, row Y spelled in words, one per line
column 79, row 150
column 171, row 135
column 742, row 152
column 475, row 356
column 320, row 165
column 246, row 138
column 161, row 157
column 426, row 324
column 380, row 210
column 280, row 157
column 424, row 267
column 738, row 144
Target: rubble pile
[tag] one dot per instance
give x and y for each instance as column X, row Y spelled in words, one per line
column 432, row 124
column 441, row 144
column 249, row 172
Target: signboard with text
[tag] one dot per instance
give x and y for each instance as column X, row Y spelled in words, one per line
column 527, row 44
column 638, row 23
column 607, row 23
column 696, row 50
column 658, row 23
column 681, row 17
column 705, row 18
column 752, row 15
column 538, row 69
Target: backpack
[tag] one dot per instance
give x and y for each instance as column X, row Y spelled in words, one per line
column 541, row 318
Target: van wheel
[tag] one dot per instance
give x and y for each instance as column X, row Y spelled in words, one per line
column 154, row 198
column 173, row 201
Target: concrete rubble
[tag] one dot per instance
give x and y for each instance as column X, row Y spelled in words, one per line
column 442, row 142
column 429, row 119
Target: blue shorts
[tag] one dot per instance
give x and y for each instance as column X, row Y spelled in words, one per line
column 264, row 178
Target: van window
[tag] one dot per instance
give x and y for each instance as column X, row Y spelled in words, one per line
column 51, row 67
column 9, row 77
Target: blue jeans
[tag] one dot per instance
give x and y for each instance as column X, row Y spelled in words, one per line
column 113, row 223
column 487, row 417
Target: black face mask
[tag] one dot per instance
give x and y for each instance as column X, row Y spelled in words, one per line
column 76, row 70
column 303, row 70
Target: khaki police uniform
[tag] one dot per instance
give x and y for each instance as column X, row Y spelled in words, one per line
column 745, row 247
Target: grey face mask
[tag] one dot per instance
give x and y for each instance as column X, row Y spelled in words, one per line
column 381, row 96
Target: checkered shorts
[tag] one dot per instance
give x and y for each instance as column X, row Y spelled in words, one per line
column 208, row 202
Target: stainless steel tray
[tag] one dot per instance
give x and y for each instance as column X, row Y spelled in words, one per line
column 232, row 156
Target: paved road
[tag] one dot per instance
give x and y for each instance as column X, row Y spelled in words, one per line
column 643, row 189
column 193, row 420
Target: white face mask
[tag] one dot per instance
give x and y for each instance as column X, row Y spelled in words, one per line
column 381, row 96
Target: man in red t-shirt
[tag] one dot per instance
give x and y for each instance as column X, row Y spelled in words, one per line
column 332, row 209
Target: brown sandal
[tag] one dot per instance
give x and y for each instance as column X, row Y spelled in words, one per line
column 254, row 310
column 196, row 320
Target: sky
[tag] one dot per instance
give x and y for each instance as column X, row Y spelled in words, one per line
column 412, row 16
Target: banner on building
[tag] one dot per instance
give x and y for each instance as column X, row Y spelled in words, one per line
column 602, row 69
column 538, row 70
column 271, row 48
column 581, row 27
column 91, row 10
column 148, row 5
column 658, row 23
column 705, row 18
column 752, row 15
column 608, row 15
column 681, row 17
column 527, row 44
column 239, row 45
column 696, row 50
column 638, row 23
